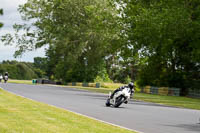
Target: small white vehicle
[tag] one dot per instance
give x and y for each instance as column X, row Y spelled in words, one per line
column 119, row 97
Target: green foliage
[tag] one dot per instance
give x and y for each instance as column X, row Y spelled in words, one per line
column 98, row 79
column 40, row 63
column 165, row 34
column 40, row 66
column 103, row 77
column 127, row 80
column 40, row 73
column 153, row 42
column 79, row 33
column 20, row 70
column 1, row 13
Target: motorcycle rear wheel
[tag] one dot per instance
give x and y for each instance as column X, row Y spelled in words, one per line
column 108, row 103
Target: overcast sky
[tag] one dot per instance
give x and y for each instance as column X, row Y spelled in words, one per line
column 10, row 17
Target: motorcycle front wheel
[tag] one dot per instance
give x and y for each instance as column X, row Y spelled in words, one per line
column 119, row 101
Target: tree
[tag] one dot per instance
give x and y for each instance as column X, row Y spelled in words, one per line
column 1, row 13
column 18, row 70
column 40, row 63
column 79, row 33
column 165, row 35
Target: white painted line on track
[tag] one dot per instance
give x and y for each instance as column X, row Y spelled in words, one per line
column 77, row 113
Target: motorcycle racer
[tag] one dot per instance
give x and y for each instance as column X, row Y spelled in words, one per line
column 130, row 85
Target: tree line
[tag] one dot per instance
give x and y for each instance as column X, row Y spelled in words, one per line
column 22, row 70
column 153, row 42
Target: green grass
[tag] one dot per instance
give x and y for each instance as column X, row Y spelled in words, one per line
column 20, row 115
column 20, row 81
column 99, row 90
column 184, row 102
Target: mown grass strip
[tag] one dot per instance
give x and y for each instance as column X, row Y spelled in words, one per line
column 183, row 102
column 99, row 90
column 18, row 115
column 19, row 81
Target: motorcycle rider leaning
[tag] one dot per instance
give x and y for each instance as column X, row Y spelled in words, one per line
column 130, row 85
column 5, row 77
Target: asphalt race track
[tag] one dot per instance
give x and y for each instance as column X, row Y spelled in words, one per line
column 140, row 116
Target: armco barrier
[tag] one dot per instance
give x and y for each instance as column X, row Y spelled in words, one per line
column 174, row 91
column 73, row 83
column 78, row 84
column 92, row 84
column 146, row 89
column 85, row 84
column 39, row 81
column 98, row 85
column 45, row 81
column 153, row 90
column 194, row 93
column 161, row 90
column 34, row 81
column 70, row 84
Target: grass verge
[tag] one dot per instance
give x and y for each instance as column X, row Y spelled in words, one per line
column 183, row 102
column 20, row 81
column 20, row 115
column 99, row 90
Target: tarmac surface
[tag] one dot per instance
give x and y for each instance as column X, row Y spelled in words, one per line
column 136, row 115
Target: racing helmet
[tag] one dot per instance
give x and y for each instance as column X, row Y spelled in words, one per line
column 131, row 85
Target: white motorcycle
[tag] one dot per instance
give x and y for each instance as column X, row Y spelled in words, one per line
column 119, row 97
column 5, row 79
